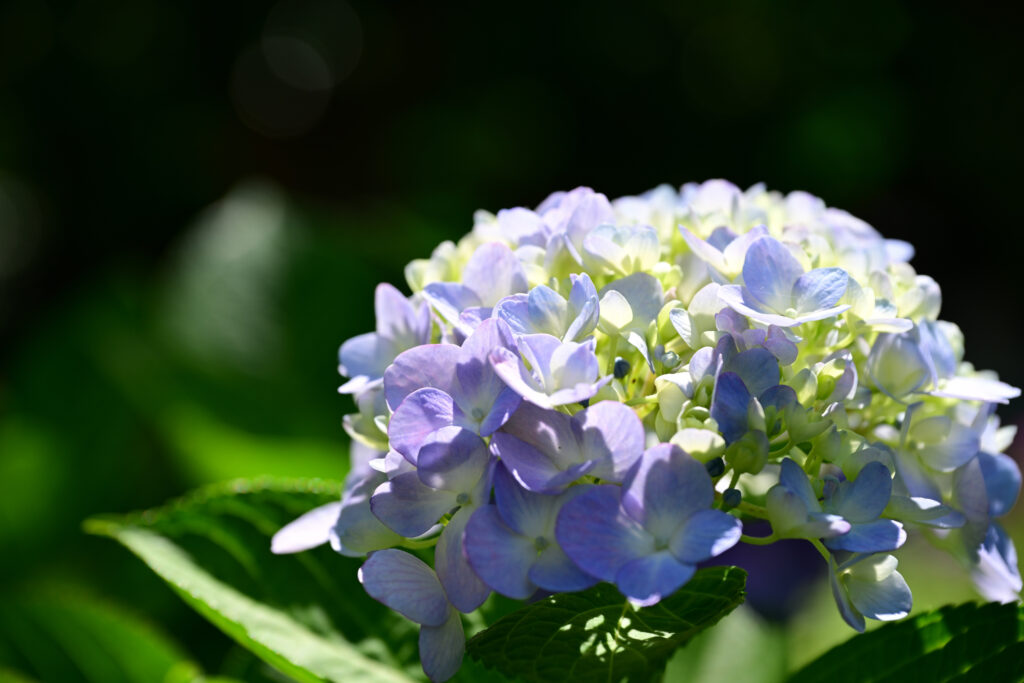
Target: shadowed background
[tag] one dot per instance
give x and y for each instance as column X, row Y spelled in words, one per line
column 197, row 199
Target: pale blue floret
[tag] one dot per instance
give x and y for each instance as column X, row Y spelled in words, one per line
column 491, row 274
column 546, row 450
column 777, row 291
column 407, row 585
column 437, row 385
column 648, row 536
column 545, row 311
column 558, row 373
column 869, row 586
column 401, row 325
column 795, row 511
column 724, row 252
column 511, row 544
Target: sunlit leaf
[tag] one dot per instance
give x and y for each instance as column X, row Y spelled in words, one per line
column 304, row 614
column 595, row 635
column 967, row 642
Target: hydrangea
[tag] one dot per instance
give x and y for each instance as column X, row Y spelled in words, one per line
column 603, row 390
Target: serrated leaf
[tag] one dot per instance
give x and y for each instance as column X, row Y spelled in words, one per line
column 65, row 635
column 595, row 635
column 302, row 614
column 960, row 643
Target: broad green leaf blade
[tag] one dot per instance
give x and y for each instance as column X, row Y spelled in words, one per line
column 61, row 634
column 967, row 642
column 595, row 635
column 304, row 614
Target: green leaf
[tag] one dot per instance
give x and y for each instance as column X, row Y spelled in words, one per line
column 65, row 635
column 956, row 643
column 595, row 635
column 305, row 614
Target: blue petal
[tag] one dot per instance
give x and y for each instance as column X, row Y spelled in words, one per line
column 664, row 488
column 357, row 530
column 463, row 587
column 421, row 413
column 848, row 612
column 366, row 355
column 547, row 310
column 554, row 571
column 741, row 300
column 407, row 585
column 442, row 648
column 729, row 406
column 613, row 436
column 706, row 534
column 769, row 272
column 977, row 389
column 995, row 573
column 430, row 365
column 757, row 368
column 962, row 444
column 499, row 555
column 1002, row 481
column 864, row 499
column 453, row 459
column 598, row 536
column 450, row 299
column 644, row 294
column 506, row 403
column 885, row 600
column 515, row 311
column 408, row 506
column 308, row 531
column 492, row 273
column 819, row 289
column 398, row 320
column 793, row 477
column 872, row 537
column 534, row 469
column 646, row 580
column 478, row 385
column 527, row 513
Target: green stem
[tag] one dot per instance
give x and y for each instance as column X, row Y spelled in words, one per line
column 418, row 545
column 820, row 547
column 759, row 540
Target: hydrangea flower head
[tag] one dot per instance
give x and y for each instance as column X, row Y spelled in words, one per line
column 611, row 390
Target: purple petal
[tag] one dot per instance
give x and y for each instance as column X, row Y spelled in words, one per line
column 554, row 434
column 453, row 459
column 430, row 365
column 547, row 310
column 442, row 648
column 465, row 590
column 819, row 289
column 407, row 585
column 478, row 385
column 357, row 530
column 872, row 537
column 308, row 531
column 729, row 406
column 421, row 413
column 706, row 534
column 613, row 435
column 506, row 403
column 769, row 273
column 408, row 506
column 534, row 469
column 509, row 367
column 527, row 513
column 646, row 580
column 780, row 345
column 398, row 319
column 499, row 555
column 493, row 272
column 598, row 536
column 664, row 488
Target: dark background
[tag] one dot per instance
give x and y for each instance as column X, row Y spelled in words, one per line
column 139, row 359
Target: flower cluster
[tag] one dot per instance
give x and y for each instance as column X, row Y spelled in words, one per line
column 603, row 390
